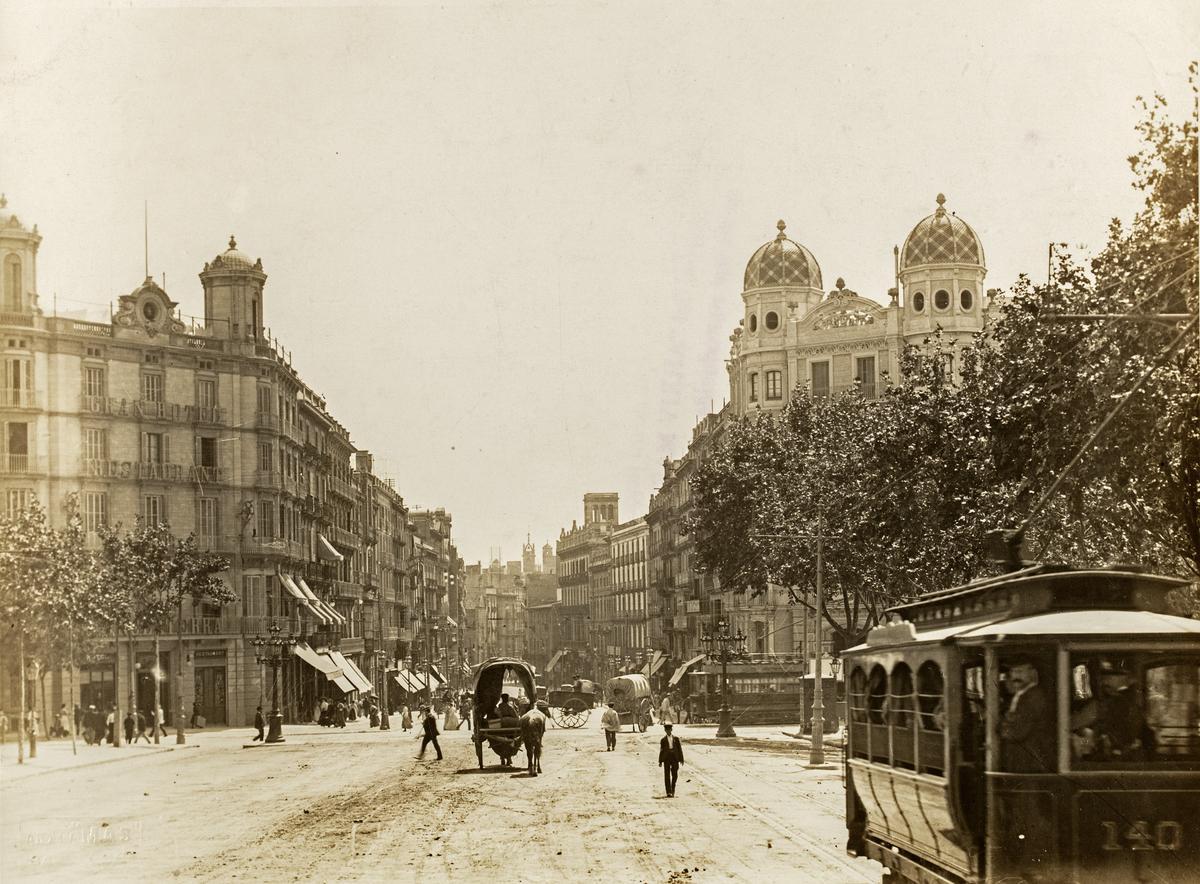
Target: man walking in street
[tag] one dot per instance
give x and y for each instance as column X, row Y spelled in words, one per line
column 259, row 723
column 431, row 733
column 612, row 723
column 670, row 756
column 129, row 723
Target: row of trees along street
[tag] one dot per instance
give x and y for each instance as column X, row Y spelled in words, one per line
column 64, row 601
column 907, row 487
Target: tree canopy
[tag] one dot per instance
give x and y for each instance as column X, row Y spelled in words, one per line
column 906, row 488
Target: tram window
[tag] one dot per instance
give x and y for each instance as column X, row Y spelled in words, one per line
column 931, row 687
column 858, row 695
column 901, row 697
column 877, row 695
column 900, row 717
column 1028, row 727
column 1135, row 709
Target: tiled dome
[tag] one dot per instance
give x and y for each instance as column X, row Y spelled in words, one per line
column 782, row 262
column 942, row 238
column 232, row 259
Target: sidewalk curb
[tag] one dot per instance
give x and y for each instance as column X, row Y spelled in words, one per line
column 70, row 767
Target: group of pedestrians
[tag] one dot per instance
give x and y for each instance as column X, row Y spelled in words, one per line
column 670, row 748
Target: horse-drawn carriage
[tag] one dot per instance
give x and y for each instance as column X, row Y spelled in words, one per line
column 630, row 695
column 571, row 704
column 503, row 735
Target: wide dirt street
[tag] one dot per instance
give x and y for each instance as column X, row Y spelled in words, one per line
column 356, row 805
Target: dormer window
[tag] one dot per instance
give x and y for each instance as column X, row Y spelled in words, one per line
column 150, row 311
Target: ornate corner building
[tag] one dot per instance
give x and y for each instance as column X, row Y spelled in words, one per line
column 797, row 338
column 207, row 426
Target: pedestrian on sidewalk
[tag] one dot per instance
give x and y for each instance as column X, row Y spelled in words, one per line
column 670, row 756
column 666, row 714
column 431, row 734
column 64, row 722
column 141, row 728
column 159, row 724
column 111, row 724
column 3, row 726
column 406, row 717
column 612, row 723
column 129, row 723
column 259, row 723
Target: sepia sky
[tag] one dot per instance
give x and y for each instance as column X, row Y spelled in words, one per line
column 506, row 240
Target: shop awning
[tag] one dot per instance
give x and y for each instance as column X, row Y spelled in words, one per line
column 298, row 594
column 654, row 665
column 682, row 670
column 329, row 611
column 325, row 550
column 410, row 681
column 452, row 621
column 352, row 672
column 320, row 662
column 433, row 670
column 554, row 660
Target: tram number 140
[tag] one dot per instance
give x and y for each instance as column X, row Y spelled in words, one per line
column 1142, row 835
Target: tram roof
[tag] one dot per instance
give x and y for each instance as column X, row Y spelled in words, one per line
column 1042, row 588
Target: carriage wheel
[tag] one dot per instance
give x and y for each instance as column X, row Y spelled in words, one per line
column 574, row 713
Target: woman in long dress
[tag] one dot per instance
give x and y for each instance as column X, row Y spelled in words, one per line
column 406, row 718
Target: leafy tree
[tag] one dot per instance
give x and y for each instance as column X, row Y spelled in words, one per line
column 907, row 487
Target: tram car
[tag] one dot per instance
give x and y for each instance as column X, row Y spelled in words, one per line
column 1039, row 726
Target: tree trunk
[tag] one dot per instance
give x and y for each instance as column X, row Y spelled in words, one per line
column 21, row 717
column 116, row 704
column 41, row 686
column 71, row 683
column 179, row 737
column 157, row 688
column 133, row 685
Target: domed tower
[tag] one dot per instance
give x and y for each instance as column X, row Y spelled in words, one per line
column 941, row 273
column 233, row 294
column 781, row 284
column 18, row 263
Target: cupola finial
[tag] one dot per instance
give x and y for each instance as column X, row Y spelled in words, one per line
column 782, row 226
column 941, row 201
column 232, row 242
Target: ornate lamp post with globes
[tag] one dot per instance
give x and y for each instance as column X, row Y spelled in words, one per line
column 272, row 651
column 723, row 646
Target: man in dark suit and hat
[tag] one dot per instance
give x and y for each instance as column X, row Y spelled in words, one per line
column 670, row 756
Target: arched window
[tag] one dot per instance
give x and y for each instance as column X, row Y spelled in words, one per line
column 774, row 385
column 753, row 322
column 918, row 302
column 754, row 387
column 931, row 706
column 877, row 689
column 858, row 696
column 14, row 288
column 966, row 299
column 772, row 321
column 900, row 716
column 941, row 299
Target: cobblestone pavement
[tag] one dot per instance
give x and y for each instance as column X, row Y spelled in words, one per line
column 355, row 804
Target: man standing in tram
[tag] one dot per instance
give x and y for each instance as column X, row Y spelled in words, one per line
column 1027, row 729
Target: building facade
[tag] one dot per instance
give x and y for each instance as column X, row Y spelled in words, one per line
column 208, row 427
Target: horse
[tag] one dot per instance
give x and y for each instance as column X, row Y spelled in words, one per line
column 533, row 728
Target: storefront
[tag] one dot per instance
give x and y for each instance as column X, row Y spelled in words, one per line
column 211, row 696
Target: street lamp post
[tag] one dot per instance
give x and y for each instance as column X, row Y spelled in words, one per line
column 723, row 646
column 384, row 723
column 272, row 651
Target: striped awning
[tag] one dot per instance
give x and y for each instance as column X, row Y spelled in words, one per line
column 309, row 601
column 329, row 610
column 682, row 670
column 351, row 671
column 554, row 660
column 325, row 550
